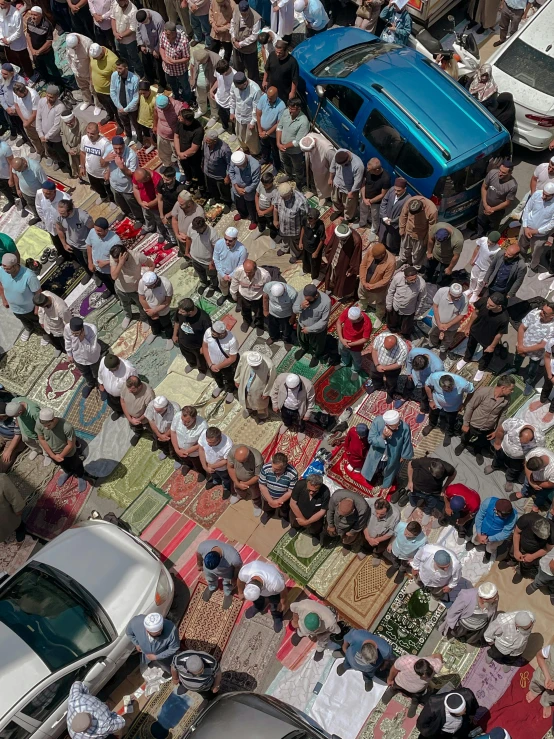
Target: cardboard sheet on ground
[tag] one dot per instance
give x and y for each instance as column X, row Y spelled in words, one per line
column 535, row 417
column 342, row 706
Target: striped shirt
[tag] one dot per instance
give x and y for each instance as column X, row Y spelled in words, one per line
column 278, row 485
column 189, row 681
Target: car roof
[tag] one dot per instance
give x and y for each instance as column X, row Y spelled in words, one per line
column 238, row 716
column 434, row 99
column 539, row 34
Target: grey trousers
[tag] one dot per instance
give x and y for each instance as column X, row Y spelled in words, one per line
column 537, row 686
column 369, row 215
column 345, row 205
column 509, row 21
column 290, row 245
column 446, row 341
column 412, row 251
column 127, row 301
column 537, row 245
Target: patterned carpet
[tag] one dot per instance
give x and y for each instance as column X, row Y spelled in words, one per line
column 24, row 364
column 299, row 557
column 57, row 509
column 144, row 509
column 56, row 389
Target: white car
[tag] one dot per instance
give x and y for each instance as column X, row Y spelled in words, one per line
column 524, row 66
column 63, row 617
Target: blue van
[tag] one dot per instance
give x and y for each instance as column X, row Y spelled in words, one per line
column 388, row 101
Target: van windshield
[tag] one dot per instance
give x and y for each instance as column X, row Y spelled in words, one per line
column 345, row 62
column 468, row 177
column 528, row 65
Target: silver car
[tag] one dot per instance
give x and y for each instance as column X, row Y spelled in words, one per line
column 63, row 617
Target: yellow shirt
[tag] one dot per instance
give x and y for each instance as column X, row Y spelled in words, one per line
column 101, row 71
column 146, row 109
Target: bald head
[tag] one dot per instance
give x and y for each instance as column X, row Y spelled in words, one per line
column 345, row 507
column 512, row 251
column 272, row 94
column 250, row 267
column 390, row 342
column 374, row 165
column 19, row 164
column 241, row 453
column 142, row 175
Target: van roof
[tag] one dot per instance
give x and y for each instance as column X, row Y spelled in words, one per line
column 439, row 103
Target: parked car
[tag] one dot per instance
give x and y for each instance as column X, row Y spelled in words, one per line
column 524, row 66
column 388, row 101
column 63, row 617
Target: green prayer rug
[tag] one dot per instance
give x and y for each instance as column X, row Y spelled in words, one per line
column 457, row 658
column 299, row 557
column 108, row 320
column 23, row 366
column 145, row 508
column 300, row 366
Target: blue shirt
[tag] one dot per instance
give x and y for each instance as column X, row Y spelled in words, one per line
column 315, row 15
column 131, row 88
column 405, row 548
column 356, row 639
column 5, row 151
column 31, row 179
column 247, row 177
column 19, row 290
column 449, row 402
column 227, row 260
column 420, row 376
column 271, row 112
column 101, row 248
column 488, row 522
column 118, row 180
column 539, row 214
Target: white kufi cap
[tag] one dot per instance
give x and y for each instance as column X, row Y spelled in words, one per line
column 252, row 592
column 254, row 359
column 95, row 51
column 238, row 157
column 153, row 622
column 277, row 290
column 231, row 232
column 307, row 143
column 391, row 418
column 354, row 313
column 149, row 278
column 292, row 381
column 487, row 590
column 160, row 401
column 72, row 40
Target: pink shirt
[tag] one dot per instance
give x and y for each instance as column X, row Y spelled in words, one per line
column 168, row 118
column 407, row 678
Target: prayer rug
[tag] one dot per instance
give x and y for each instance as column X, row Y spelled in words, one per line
column 130, row 341
column 251, row 433
column 254, row 343
column 188, row 392
column 31, row 477
column 90, row 301
column 216, row 411
column 300, row 453
column 87, row 415
column 408, row 622
column 391, row 720
column 488, row 682
column 144, row 509
column 108, row 320
column 138, row 467
column 174, row 536
column 57, row 388
column 457, row 658
column 376, row 404
column 361, row 592
column 14, row 554
column 145, row 159
column 22, row 367
column 32, row 242
column 207, row 506
column 300, row 366
column 297, row 688
column 299, row 557
column 324, row 580
column 108, row 129
column 185, row 282
column 206, row 627
column 141, row 728
column 63, row 279
column 162, row 256
column 346, row 479
column 182, row 489
column 517, row 398
column 473, row 567
column 335, row 390
column 152, row 362
column 514, row 714
column 13, row 225
column 57, row 509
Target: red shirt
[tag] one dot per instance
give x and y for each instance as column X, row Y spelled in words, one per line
column 472, row 499
column 147, row 190
column 359, row 330
column 356, row 448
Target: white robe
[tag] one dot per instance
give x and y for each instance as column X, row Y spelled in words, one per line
column 282, row 22
column 318, row 161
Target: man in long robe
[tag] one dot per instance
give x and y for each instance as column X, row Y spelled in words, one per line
column 319, row 152
column 254, row 379
column 389, row 213
column 343, row 253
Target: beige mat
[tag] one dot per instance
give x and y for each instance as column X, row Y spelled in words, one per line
column 183, row 392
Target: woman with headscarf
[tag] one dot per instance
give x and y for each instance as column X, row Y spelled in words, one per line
column 505, row 111
column 483, row 87
column 398, row 22
column 343, row 254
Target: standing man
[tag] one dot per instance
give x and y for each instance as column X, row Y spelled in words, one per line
column 28, row 177
column 511, row 15
column 428, row 478
column 405, row 296
column 314, row 14
column 312, row 241
column 150, row 26
column 537, row 225
column 487, row 325
column 383, row 520
column 18, row 286
column 124, row 28
column 318, row 154
column 513, row 440
column 390, row 442
column 281, row 71
column 346, row 177
column 78, row 48
column 155, row 293
column 244, row 465
column 289, row 215
column 450, row 306
column 216, row 159
column 254, row 379
column 183, row 214
column 498, row 191
column 122, row 162
column 244, row 98
column 82, row 348
column 40, row 35
column 102, row 66
column 343, row 254
column 72, row 227
column 535, row 332
column 353, row 331
column 376, row 185
column 438, row 570
column 46, row 203
column 144, row 190
column 229, row 253
column 445, row 393
column 277, row 481
column 26, row 105
column 376, row 271
column 199, row 248
column 188, row 146
column 494, row 524
column 57, row 438
column 191, row 323
column 135, row 399
column 221, row 349
column 166, row 118
column 186, row 430
column 99, row 243
column 53, row 316
column 92, row 149
column 443, row 252
column 220, row 16
column 101, row 12
column 247, row 286
column 71, row 131
column 367, row 653
column 312, row 309
column 217, row 561
column 126, row 271
column 420, row 364
column 293, row 397
column 244, row 173
column 113, row 373
column 390, row 211
column 124, row 92
column 12, row 35
column 278, row 300
column 388, row 354
column 269, row 110
column 175, row 54
column 244, row 29
column 417, row 216
column 48, row 123
column 293, row 126
column 485, row 250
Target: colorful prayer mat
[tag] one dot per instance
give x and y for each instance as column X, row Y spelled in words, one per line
column 23, row 365
column 376, row 404
column 517, row 398
column 185, row 282
column 391, row 720
column 63, row 279
column 361, row 592
column 57, row 508
column 174, row 536
column 141, row 728
column 206, row 627
column 158, row 253
column 251, row 433
column 335, row 390
column 87, row 415
column 299, row 453
column 207, row 506
column 58, row 387
column 131, row 341
column 300, row 366
column 408, row 622
column 324, row 580
column 182, row 489
column 347, row 479
column 30, row 477
column 299, row 557
column 14, row 554
column 457, row 658
column 90, row 301
column 152, row 362
column 488, row 682
column 144, row 509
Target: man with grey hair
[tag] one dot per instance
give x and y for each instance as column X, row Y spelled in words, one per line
column 366, row 652
column 48, row 123
column 58, row 440
column 507, row 636
column 347, row 517
column 196, row 671
column 26, row 413
column 309, row 504
column 85, row 711
column 18, row 285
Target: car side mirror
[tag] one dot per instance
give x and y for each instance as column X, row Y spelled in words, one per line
column 320, row 91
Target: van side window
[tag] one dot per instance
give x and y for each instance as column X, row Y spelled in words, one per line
column 345, row 100
column 394, row 147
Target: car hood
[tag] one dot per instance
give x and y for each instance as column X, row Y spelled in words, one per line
column 315, row 50
column 20, row 671
column 525, row 96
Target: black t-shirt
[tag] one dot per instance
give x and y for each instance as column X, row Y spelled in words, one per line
column 488, row 324
column 169, row 194
column 281, row 73
column 193, row 328
column 529, row 542
column 310, row 506
column 313, row 236
column 189, row 135
column 376, row 183
column 423, row 480
column 41, row 33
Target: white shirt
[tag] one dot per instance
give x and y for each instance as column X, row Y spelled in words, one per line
column 291, row 401
column 511, row 443
column 224, row 85
column 218, row 452
column 249, row 289
column 86, row 351
column 124, row 21
column 28, row 104
column 114, row 380
column 244, row 102
column 547, row 473
column 451, row 723
column 162, row 421
column 78, row 58
column 48, row 209
column 228, row 343
column 541, row 173
column 94, row 151
column 11, row 28
column 544, row 564
column 103, row 8
column 155, row 296
column 429, row 574
column 273, row 581
column 536, row 332
column 188, row 437
column 54, row 318
column 485, row 255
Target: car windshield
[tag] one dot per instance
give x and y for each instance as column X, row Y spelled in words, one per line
column 528, row 65
column 345, row 62
column 56, row 621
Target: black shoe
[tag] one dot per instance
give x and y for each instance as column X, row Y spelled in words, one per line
column 471, row 24
column 314, row 361
column 336, row 214
column 115, row 415
column 341, row 669
column 264, row 518
column 209, row 292
column 227, row 600
column 487, row 557
column 210, row 484
column 8, row 207
column 469, row 546
column 447, row 440
column 517, row 578
column 479, row 458
column 399, row 577
column 207, row 594
column 202, row 289
column 459, row 449
column 20, row 532
column 412, row 709
column 392, row 569
column 295, row 639
column 86, row 391
column 427, row 430
column 299, row 354
column 530, row 589
column 221, row 300
column 498, row 43
column 318, row 656
column 368, row 685
column 135, row 440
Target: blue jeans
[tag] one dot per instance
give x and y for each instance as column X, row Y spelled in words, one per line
column 542, row 497
column 430, row 502
column 347, row 356
column 369, row 675
column 130, row 53
column 213, row 580
column 201, row 28
column 180, row 87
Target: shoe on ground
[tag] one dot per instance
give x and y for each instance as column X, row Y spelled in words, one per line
column 487, row 557
column 314, row 361
column 459, row 449
column 207, row 594
column 217, row 392
column 341, row 669
column 46, row 460
column 162, row 456
column 81, row 485
column 508, row 487
column 25, row 335
column 488, row 659
column 277, row 624
column 427, row 430
column 443, row 355
column 461, row 364
column 62, row 479
column 188, row 369
column 506, row 668
column 256, row 510
column 210, row 484
column 447, row 440
column 368, row 685
column 478, row 376
column 299, row 354
column 425, row 519
column 229, row 398
column 169, row 345
column 125, row 323
column 529, row 390
column 517, row 578
column 530, row 589
column 221, row 300
column 334, row 215
column 479, row 458
column 33, row 455
column 86, row 391
column 412, row 709
column 33, row 221
column 135, row 439
column 227, row 600
column 498, row 43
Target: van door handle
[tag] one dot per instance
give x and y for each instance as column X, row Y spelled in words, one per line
column 346, row 128
column 59, row 720
column 361, row 147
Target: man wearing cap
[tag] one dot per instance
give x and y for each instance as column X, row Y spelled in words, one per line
column 53, row 316
column 247, row 285
column 353, row 330
column 244, row 465
column 513, row 440
column 202, row 78
column 245, row 94
column 72, row 227
column 186, row 429
column 498, row 191
column 367, row 653
column 533, row 538
column 535, row 337
column 437, row 570
column 269, row 110
column 191, row 323
column 166, row 117
column 26, row 104
column 88, row 716
column 160, row 413
column 57, row 439
column 99, row 242
column 448, row 715
column 40, row 36
column 346, row 177
column 82, row 347
column 346, row 519
column 508, row 635
column 112, row 375
column 175, row 54
column 244, row 173
column 445, row 394
column 416, row 218
column 443, row 252
column 468, row 618
column 318, row 154
column 494, row 524
column 293, row 126
column 450, row 306
column 390, row 441
column 486, row 249
column 356, row 447
column 216, row 160
column 376, row 271
column 214, row 447
column 262, row 584
column 156, row 638
column 184, row 212
column 72, row 131
column 102, row 66
column 388, row 354
column 26, row 412
column 150, row 26
column 229, row 253
column 254, row 378
column 428, row 477
column 244, row 29
column 289, row 214
column 404, row 300
column 18, row 286
column 135, row 398
column 155, row 294
column 217, row 561
column 221, row 349
column 195, row 671
column 343, row 254
column 312, row 309
column 46, row 204
column 278, row 301
column 390, row 211
column 293, row 397
column 314, row 620
column 78, row 47
column 537, row 225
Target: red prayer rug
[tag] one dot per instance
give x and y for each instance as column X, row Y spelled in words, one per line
column 299, row 453
column 57, row 509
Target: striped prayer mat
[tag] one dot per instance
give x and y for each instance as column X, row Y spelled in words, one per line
column 174, row 536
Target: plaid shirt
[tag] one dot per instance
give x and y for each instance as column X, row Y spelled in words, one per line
column 104, row 721
column 292, row 214
column 397, row 355
column 178, row 50
column 506, row 637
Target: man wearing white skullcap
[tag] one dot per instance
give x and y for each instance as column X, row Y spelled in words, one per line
column 78, row 55
column 390, row 440
column 508, row 635
column 263, row 584
column 293, row 397
column 343, row 254
column 160, row 413
column 448, row 715
column 254, row 379
column 315, row 17
column 220, row 349
column 278, row 300
column 155, row 294
column 471, row 614
column 318, row 154
column 88, row 716
column 156, row 638
column 229, row 253
column 58, row 440
column 353, row 329
column 245, row 173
